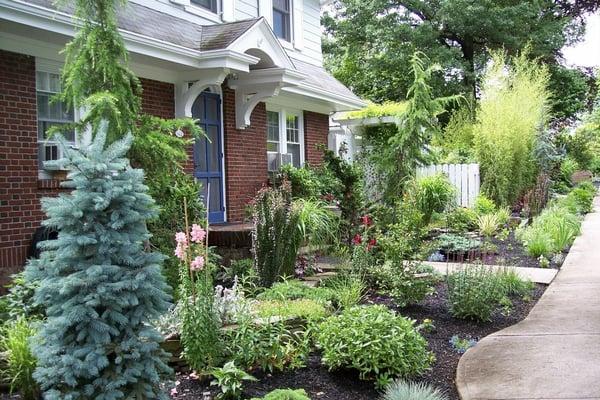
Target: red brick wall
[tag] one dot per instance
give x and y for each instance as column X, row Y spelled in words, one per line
column 158, row 98
column 20, row 188
column 245, row 156
column 19, row 195
column 316, row 129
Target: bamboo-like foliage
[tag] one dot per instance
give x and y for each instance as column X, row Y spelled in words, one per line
column 512, row 114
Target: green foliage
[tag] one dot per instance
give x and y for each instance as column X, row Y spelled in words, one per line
column 583, row 196
column 368, row 45
column 348, row 191
column 484, row 206
column 96, row 75
column 403, row 390
column 513, row 109
column 473, row 293
column 407, row 282
column 300, row 308
column 461, row 219
column 456, row 244
column 432, row 194
column 456, row 139
column 304, row 181
column 285, row 394
column 98, row 280
column 579, row 147
column 400, row 149
column 19, row 360
column 375, row 341
column 372, row 110
column 348, row 289
column 488, row 224
column 512, row 284
column 19, row 299
column 291, row 289
column 270, row 346
column 230, row 380
column 280, row 227
column 538, row 243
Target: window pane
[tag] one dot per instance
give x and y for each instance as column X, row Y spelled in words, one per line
column 292, row 129
column 272, row 126
column 272, row 146
column 281, row 23
column 294, row 150
column 42, row 105
column 208, row 4
column 283, row 5
column 200, row 154
column 212, row 109
column 54, row 82
column 41, row 81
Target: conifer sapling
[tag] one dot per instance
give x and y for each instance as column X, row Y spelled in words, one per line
column 99, row 285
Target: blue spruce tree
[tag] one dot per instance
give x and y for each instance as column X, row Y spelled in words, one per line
column 99, row 284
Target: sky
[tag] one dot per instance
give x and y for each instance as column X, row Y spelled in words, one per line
column 587, row 52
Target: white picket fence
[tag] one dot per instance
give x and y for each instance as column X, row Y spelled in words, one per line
column 464, row 177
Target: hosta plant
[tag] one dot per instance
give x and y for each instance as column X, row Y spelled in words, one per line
column 230, row 380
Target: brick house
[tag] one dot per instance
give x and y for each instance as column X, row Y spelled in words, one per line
column 250, row 71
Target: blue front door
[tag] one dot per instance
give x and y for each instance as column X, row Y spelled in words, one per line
column 208, row 154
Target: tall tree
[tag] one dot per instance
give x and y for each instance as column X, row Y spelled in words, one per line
column 368, row 43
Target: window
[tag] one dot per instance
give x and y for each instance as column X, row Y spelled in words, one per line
column 285, row 138
column 282, row 19
column 210, row 5
column 50, row 114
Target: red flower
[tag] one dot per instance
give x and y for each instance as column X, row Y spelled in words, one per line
column 357, row 239
column 372, row 243
column 366, row 220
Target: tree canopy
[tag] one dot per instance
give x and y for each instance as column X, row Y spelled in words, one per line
column 368, row 44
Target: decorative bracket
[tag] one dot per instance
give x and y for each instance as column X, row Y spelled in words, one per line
column 247, row 98
column 187, row 94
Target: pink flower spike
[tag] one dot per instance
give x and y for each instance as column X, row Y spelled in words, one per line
column 198, row 234
column 197, row 263
column 180, row 251
column 180, row 237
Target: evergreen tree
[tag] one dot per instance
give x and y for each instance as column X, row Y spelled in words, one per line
column 98, row 284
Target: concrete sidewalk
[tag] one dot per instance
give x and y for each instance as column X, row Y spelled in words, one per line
column 555, row 352
column 537, row 275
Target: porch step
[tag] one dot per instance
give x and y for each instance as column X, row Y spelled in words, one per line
column 236, row 235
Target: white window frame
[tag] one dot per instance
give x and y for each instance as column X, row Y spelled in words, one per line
column 200, row 11
column 283, row 113
column 265, row 9
column 51, row 67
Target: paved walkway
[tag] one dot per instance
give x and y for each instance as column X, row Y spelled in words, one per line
column 537, row 275
column 555, row 352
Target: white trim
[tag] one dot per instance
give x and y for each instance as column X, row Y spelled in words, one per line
column 298, row 24
column 265, row 9
column 228, row 10
column 283, row 113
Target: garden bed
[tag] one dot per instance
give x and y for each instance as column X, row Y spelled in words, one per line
column 508, row 251
column 345, row 385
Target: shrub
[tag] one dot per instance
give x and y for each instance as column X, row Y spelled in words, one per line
column 285, row 394
column 537, row 242
column 304, row 182
column 19, row 299
column 583, row 196
column 473, row 293
column 503, row 215
column 461, row 219
column 270, row 346
column 230, row 379
column 302, row 308
column 402, row 390
column 98, row 280
column 375, row 341
column 348, row 290
column 19, row 359
column 513, row 108
column 432, row 194
column 406, row 282
column 567, row 168
column 484, row 206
